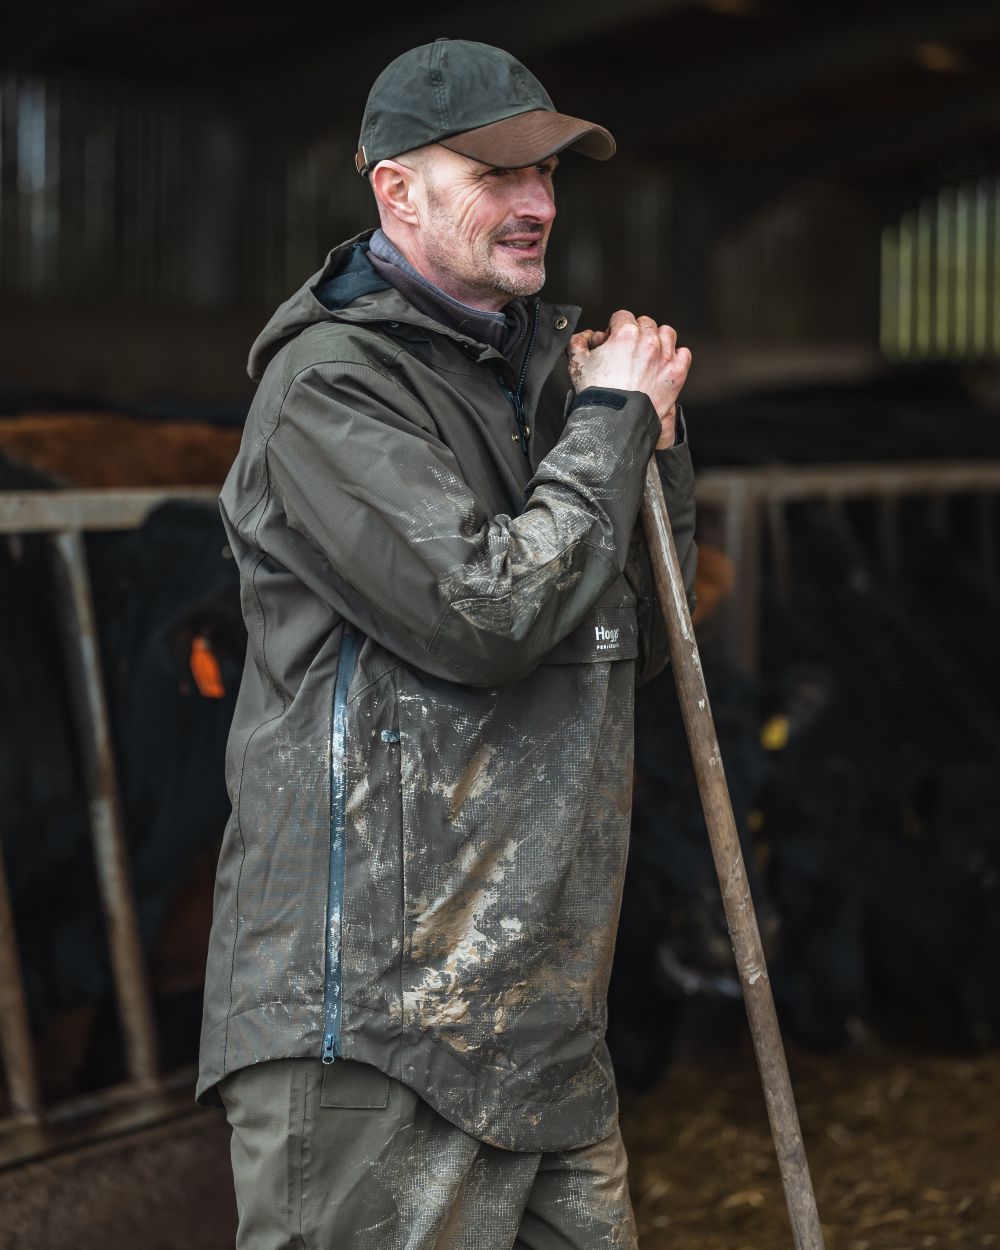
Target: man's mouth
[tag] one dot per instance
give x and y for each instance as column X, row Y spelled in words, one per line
column 527, row 246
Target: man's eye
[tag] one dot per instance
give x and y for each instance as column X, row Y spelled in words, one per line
column 497, row 173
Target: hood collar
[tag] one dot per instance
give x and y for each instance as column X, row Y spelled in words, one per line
column 346, row 288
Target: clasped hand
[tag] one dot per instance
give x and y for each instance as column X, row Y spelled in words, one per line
column 633, row 354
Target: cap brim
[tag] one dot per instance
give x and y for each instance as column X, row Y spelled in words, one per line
column 528, row 138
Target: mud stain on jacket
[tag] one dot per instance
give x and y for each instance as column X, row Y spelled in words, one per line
column 502, row 610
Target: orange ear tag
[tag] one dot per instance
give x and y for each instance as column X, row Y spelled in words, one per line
column 205, row 669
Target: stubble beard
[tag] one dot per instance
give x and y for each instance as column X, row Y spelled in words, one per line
column 481, row 273
column 527, row 278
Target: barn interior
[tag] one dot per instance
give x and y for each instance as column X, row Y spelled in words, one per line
column 810, row 193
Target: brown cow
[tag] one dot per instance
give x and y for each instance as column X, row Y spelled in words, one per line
column 102, row 450
column 713, row 581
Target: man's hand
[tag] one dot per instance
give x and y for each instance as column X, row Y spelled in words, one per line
column 633, row 354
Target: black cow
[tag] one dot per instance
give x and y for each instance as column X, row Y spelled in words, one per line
column 164, row 593
column 880, row 812
column 673, row 947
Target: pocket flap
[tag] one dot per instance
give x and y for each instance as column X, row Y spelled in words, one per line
column 347, row 1083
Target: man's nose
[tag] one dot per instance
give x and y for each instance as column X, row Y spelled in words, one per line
column 535, row 198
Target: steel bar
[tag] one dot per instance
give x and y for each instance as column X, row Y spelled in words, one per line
column 726, row 852
column 102, row 1114
column 741, row 541
column 986, row 524
column 44, row 511
column 890, row 547
column 52, row 511
column 15, row 1035
column 100, row 774
column 796, row 483
column 780, row 549
column 938, row 512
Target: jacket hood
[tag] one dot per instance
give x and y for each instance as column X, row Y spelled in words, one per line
column 347, row 288
column 344, row 277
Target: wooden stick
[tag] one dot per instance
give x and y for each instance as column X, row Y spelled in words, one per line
column 728, row 856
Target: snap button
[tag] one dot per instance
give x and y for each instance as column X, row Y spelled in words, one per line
column 561, row 323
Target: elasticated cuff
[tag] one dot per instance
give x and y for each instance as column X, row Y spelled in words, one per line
column 601, row 397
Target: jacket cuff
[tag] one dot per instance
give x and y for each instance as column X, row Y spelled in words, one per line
column 680, row 437
column 678, row 447
column 674, row 463
column 607, row 397
column 680, row 429
column 601, row 397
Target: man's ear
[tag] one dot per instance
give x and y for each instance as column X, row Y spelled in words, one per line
column 394, row 185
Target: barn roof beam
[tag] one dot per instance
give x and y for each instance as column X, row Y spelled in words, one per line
column 881, row 147
column 725, row 90
column 30, row 30
column 295, row 100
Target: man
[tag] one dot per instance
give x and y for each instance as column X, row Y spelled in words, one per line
column 449, row 604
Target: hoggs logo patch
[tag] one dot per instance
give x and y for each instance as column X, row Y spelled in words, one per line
column 606, row 638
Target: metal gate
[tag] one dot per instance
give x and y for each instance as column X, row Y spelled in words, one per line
column 748, row 508
column 30, row 1128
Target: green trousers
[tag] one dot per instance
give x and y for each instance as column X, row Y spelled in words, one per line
column 343, row 1157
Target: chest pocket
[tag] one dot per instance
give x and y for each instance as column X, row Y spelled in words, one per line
column 608, row 632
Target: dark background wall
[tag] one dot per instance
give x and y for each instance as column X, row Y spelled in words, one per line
column 168, row 172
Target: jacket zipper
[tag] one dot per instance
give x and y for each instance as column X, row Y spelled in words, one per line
column 516, row 397
column 333, row 979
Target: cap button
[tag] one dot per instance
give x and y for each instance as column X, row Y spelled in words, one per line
column 561, row 323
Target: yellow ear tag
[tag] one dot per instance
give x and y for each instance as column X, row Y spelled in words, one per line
column 774, row 733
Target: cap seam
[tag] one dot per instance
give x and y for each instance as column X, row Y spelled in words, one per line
column 515, row 73
column 437, row 78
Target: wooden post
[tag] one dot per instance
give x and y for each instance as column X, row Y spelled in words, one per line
column 728, row 856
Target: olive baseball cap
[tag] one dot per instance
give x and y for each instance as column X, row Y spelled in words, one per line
column 474, row 99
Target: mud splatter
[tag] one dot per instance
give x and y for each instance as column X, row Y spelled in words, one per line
column 452, row 925
column 474, row 781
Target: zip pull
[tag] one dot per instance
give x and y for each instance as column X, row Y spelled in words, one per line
column 517, row 407
column 329, row 1050
column 523, row 429
column 516, row 398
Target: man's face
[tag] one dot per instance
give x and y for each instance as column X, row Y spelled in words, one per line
column 483, row 231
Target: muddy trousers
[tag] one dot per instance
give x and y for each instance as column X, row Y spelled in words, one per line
column 342, row 1157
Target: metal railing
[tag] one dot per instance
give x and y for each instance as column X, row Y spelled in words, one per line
column 749, row 506
column 31, row 1128
column 752, row 508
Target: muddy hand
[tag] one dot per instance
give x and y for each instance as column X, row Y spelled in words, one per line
column 633, row 354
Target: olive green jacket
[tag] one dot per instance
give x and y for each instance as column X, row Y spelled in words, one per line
column 430, row 760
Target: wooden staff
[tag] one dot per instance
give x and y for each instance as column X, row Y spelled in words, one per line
column 728, row 856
